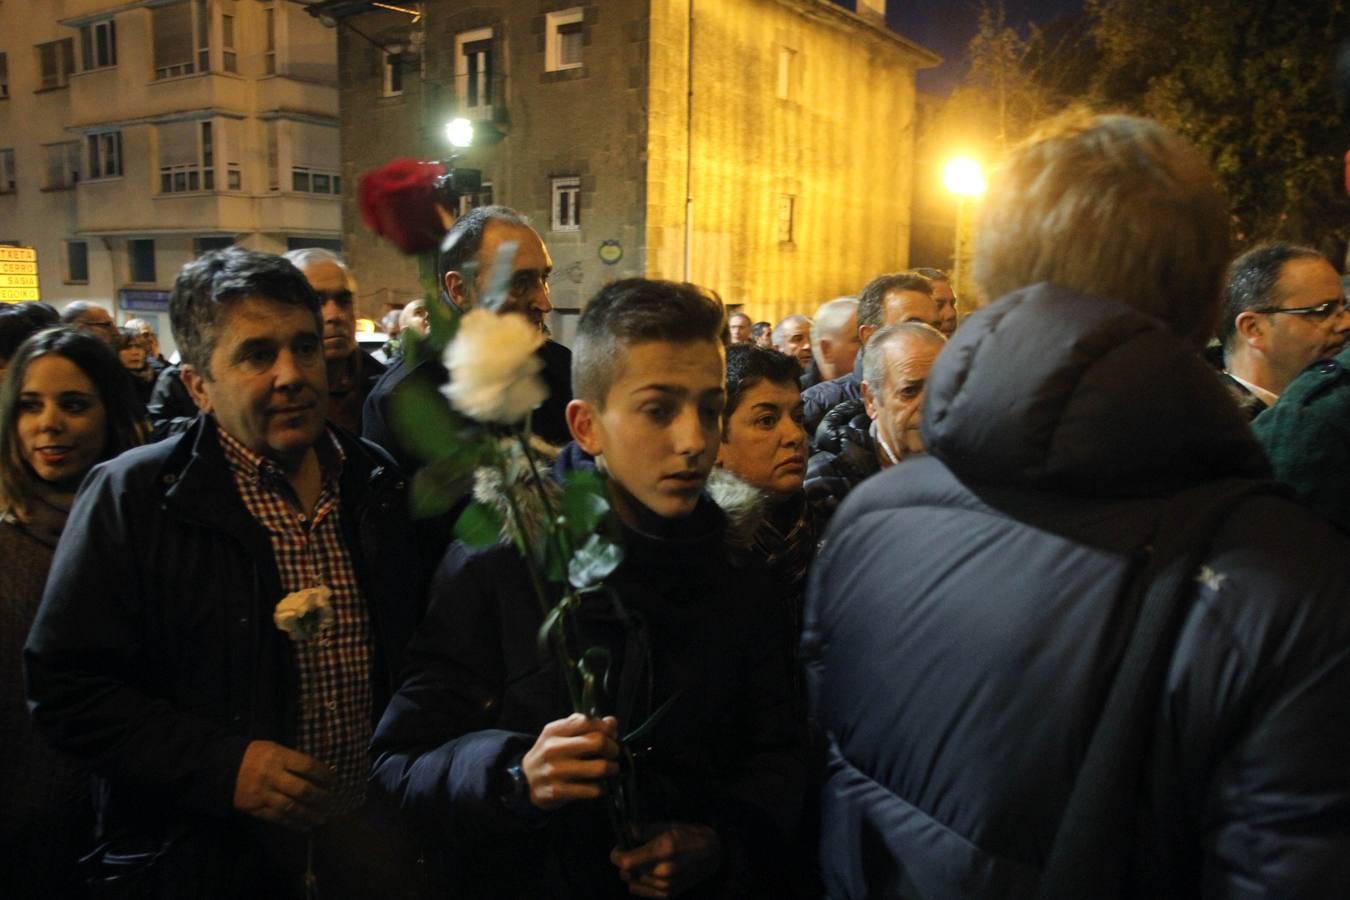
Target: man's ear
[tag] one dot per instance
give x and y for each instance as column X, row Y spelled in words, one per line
column 195, row 383
column 454, row 289
column 1250, row 328
column 865, row 332
column 581, row 421
column 869, row 401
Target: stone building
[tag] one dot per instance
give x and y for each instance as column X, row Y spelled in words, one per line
column 136, row 134
column 763, row 148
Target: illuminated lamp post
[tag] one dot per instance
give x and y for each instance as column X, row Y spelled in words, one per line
column 963, row 177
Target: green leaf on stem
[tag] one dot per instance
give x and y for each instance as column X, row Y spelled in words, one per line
column 584, row 504
column 439, row 485
column 646, row 728
column 423, row 419
column 594, row 669
column 543, row 638
column 479, row 526
column 593, row 562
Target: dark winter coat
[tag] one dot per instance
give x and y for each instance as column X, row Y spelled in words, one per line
column 477, row 693
column 1307, row 436
column 819, row 399
column 964, row 621
column 154, row 657
column 848, row 456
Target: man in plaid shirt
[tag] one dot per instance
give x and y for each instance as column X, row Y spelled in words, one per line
column 164, row 655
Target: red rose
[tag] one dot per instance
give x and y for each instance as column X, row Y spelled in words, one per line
column 398, row 202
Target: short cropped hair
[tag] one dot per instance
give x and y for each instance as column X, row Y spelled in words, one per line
column 781, row 329
column 20, row 321
column 759, row 329
column 933, row 275
column 123, row 425
column 874, row 362
column 872, row 298
column 750, row 364
column 1109, row 206
column 465, row 238
column 211, row 282
column 304, row 256
column 637, row 311
column 1251, row 283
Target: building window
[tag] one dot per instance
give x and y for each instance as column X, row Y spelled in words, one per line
column 8, row 176
column 182, row 38
column 105, row 154
column 229, row 60
column 473, row 73
column 566, row 204
column 315, row 181
column 77, row 262
column 787, row 209
column 562, row 44
column 202, row 245
column 4, row 76
column 301, row 243
column 98, row 45
column 141, row 256
column 469, row 202
column 787, row 60
column 56, row 63
column 188, row 154
column 63, row 166
column 269, row 40
column 393, row 71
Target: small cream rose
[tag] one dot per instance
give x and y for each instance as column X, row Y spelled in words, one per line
column 303, row 614
column 494, row 373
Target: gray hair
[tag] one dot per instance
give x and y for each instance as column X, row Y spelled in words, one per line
column 782, row 327
column 874, row 361
column 302, row 257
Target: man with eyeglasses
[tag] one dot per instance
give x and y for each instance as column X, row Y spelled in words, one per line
column 1284, row 309
column 466, row 269
column 352, row 372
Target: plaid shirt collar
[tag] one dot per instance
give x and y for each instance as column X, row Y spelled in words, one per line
column 259, row 470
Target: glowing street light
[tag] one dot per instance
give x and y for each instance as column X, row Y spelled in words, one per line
column 459, row 132
column 963, row 177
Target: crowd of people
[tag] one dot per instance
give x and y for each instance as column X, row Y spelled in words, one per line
column 886, row 571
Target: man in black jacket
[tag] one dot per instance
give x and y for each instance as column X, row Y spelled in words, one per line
column 159, row 656
column 467, row 266
column 969, row 611
column 478, row 745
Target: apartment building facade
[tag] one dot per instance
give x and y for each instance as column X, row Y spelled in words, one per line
column 136, row 135
column 763, row 148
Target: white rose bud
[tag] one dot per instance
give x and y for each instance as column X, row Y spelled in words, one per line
column 494, row 373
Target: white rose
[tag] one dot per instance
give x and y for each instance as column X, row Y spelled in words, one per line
column 494, row 373
column 303, row 614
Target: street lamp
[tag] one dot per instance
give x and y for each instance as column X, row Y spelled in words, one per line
column 963, row 177
column 459, row 132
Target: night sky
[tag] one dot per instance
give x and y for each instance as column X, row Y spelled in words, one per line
column 946, row 27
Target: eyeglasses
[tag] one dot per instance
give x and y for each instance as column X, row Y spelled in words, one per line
column 1320, row 311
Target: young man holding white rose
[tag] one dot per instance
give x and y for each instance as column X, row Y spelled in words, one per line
column 163, row 654
column 478, row 744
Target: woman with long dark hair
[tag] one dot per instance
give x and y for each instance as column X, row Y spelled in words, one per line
column 65, row 405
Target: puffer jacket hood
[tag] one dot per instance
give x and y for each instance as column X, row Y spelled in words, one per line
column 1055, row 390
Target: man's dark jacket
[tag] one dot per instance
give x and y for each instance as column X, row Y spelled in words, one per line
column 476, row 693
column 170, row 408
column 548, row 421
column 846, row 457
column 965, row 617
column 1307, row 436
column 819, row 399
column 154, row 657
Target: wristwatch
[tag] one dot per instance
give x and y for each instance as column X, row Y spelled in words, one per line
column 516, row 793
